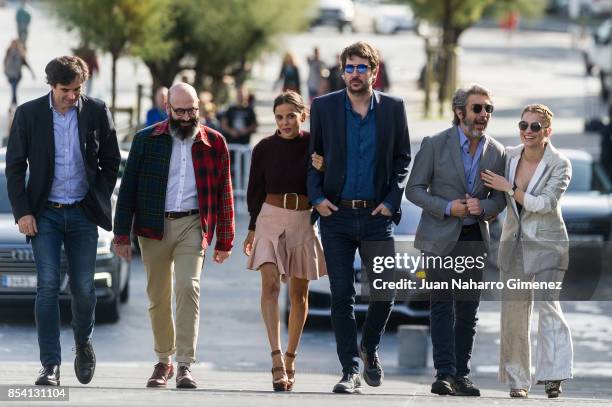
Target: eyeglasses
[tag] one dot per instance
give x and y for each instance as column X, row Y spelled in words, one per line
column 535, row 126
column 477, row 108
column 181, row 112
column 361, row 68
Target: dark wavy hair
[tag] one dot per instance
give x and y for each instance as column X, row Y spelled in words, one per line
column 63, row 70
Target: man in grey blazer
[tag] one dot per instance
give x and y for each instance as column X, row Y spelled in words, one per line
column 445, row 182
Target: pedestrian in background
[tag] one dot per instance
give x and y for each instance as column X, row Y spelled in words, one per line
column 14, row 61
column 289, row 74
column 68, row 144
column 282, row 243
column 316, row 69
column 239, row 123
column 88, row 54
column 176, row 191
column 445, row 182
column 382, row 82
column 362, row 136
column 158, row 113
column 23, row 17
column 533, row 247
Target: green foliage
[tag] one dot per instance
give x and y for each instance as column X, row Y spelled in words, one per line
column 116, row 26
column 462, row 14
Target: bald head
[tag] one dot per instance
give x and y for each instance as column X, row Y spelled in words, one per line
column 183, row 95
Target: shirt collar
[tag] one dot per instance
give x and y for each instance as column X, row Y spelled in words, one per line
column 463, row 139
column 348, row 106
column 76, row 106
column 163, row 127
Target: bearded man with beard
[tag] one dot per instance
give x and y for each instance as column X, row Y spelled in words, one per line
column 362, row 135
column 445, row 181
column 175, row 190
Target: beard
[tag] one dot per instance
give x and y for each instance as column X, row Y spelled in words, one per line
column 183, row 128
column 472, row 131
column 362, row 90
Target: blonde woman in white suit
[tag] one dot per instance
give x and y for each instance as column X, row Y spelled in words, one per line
column 533, row 247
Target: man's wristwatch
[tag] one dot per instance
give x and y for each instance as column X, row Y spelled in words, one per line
column 511, row 192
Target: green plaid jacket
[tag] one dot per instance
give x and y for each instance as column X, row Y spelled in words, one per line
column 142, row 195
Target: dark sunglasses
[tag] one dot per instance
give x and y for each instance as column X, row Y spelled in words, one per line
column 361, row 68
column 181, row 112
column 535, row 126
column 477, row 108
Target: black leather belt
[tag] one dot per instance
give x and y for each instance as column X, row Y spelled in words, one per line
column 470, row 228
column 57, row 205
column 178, row 215
column 355, row 204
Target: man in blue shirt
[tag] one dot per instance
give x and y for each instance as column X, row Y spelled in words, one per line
column 445, row 181
column 158, row 113
column 68, row 143
column 362, row 135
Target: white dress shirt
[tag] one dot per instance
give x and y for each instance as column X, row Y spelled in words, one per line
column 181, row 191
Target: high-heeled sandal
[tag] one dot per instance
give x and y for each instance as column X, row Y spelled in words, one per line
column 279, row 384
column 518, row 393
column 290, row 373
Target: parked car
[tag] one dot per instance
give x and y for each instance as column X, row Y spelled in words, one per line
column 337, row 13
column 18, row 270
column 407, row 310
column 587, row 212
column 598, row 54
column 383, row 17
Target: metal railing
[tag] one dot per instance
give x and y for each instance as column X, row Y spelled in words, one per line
column 240, row 168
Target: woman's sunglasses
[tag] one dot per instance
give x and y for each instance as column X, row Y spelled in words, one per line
column 361, row 68
column 535, row 126
column 477, row 108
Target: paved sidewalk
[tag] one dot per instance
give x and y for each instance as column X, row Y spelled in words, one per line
column 119, row 384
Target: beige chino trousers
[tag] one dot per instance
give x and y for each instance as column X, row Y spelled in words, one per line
column 180, row 253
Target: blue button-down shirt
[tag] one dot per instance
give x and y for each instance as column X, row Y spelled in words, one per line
column 470, row 168
column 69, row 179
column 360, row 153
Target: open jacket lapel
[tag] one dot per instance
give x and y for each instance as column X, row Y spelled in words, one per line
column 455, row 152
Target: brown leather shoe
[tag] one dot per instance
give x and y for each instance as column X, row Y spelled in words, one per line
column 161, row 374
column 184, row 379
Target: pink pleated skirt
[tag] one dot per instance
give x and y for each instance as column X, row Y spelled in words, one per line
column 287, row 239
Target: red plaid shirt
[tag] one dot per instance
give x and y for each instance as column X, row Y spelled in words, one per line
column 214, row 188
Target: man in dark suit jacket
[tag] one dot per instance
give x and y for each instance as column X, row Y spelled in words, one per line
column 69, row 144
column 363, row 137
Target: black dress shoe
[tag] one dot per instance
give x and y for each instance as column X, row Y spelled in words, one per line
column 372, row 369
column 49, row 376
column 85, row 362
column 350, row 383
column 444, row 385
column 465, row 387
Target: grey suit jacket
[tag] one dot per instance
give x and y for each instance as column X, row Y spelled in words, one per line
column 437, row 177
column 539, row 230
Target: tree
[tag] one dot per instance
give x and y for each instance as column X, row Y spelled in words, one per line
column 453, row 17
column 119, row 27
column 215, row 38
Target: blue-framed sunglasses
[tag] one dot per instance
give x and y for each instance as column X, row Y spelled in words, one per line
column 361, row 68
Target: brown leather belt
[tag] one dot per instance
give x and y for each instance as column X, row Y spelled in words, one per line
column 291, row 201
column 178, row 215
column 356, row 204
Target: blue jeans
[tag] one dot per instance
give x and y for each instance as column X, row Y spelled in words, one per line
column 80, row 239
column 454, row 313
column 341, row 235
column 14, row 82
